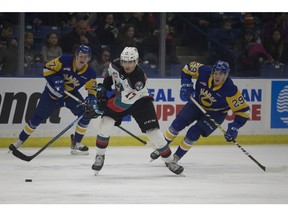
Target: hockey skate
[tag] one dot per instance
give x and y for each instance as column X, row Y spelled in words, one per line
column 174, row 167
column 15, row 145
column 154, row 155
column 98, row 164
column 78, row 148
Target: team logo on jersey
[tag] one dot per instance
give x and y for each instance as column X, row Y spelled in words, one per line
column 70, row 82
column 206, row 98
column 139, row 85
column 279, row 104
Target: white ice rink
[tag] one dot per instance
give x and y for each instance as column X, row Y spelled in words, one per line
column 214, row 175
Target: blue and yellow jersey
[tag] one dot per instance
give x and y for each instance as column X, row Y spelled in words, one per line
column 216, row 99
column 65, row 66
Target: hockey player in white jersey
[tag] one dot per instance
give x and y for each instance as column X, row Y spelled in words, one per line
column 131, row 98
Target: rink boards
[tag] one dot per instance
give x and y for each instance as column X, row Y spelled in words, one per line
column 267, row 98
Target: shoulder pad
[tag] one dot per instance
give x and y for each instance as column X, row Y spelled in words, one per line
column 116, row 60
column 195, row 64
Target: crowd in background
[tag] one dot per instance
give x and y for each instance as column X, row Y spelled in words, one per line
column 248, row 41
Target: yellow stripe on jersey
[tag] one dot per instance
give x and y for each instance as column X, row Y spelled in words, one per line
column 81, row 71
column 192, row 69
column 47, row 72
column 210, row 83
column 238, row 104
column 80, row 130
column 185, row 146
column 169, row 136
column 90, row 86
column 28, row 130
column 52, row 67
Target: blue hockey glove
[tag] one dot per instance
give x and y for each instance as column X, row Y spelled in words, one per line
column 91, row 108
column 231, row 132
column 58, row 86
column 186, row 91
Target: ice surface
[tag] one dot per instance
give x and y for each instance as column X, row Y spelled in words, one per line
column 214, row 175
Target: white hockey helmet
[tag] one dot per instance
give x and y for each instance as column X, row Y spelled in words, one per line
column 130, row 54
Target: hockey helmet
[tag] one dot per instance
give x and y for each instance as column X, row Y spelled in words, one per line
column 130, row 54
column 221, row 66
column 84, row 49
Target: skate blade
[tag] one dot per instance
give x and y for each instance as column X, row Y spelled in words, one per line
column 151, row 159
column 75, row 152
column 181, row 175
column 96, row 173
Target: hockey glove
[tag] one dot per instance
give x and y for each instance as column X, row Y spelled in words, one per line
column 58, row 86
column 91, row 108
column 101, row 96
column 231, row 132
column 101, row 92
column 186, row 91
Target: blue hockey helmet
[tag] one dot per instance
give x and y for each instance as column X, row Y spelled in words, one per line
column 221, row 66
column 84, row 49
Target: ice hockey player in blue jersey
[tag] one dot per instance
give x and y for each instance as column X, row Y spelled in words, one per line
column 70, row 73
column 216, row 93
column 131, row 98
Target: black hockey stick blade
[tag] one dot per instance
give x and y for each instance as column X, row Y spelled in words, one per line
column 19, row 154
column 264, row 168
column 24, row 157
column 279, row 169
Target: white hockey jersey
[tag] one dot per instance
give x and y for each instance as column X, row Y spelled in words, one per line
column 128, row 87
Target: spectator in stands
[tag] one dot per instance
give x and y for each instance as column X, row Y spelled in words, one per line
column 90, row 18
column 107, row 31
column 51, row 49
column 126, row 38
column 175, row 34
column 102, row 64
column 151, row 48
column 253, row 23
column 276, row 21
column 31, row 57
column 8, row 50
column 250, row 54
column 226, row 38
column 277, row 47
column 80, row 35
column 141, row 25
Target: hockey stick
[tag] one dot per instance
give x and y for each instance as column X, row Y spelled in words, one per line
column 134, row 136
column 123, row 129
column 24, row 157
column 265, row 169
